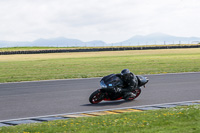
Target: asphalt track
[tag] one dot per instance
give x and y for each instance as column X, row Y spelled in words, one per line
column 30, row 99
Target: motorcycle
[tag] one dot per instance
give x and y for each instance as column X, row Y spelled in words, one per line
column 109, row 89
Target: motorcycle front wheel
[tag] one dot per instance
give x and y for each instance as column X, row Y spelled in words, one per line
column 96, row 97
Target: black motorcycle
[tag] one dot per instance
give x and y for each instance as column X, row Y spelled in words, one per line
column 109, row 86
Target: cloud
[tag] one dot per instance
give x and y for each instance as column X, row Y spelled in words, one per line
column 107, row 20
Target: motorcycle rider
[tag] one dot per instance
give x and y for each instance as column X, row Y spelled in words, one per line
column 130, row 83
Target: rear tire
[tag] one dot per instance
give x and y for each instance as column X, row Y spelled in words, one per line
column 136, row 92
column 96, row 97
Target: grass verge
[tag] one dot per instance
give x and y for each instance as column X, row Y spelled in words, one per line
column 174, row 120
column 96, row 64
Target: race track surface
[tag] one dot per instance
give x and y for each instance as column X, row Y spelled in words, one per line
column 30, row 99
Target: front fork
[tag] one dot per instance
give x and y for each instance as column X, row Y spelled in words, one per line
column 102, row 96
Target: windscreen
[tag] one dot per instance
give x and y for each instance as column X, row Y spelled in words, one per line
column 112, row 80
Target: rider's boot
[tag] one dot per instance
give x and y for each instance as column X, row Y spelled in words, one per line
column 129, row 96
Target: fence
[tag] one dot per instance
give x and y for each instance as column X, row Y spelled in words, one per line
column 97, row 49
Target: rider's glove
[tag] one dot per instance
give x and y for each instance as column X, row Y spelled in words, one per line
column 117, row 89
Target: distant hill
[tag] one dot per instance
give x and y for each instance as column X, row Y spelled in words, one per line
column 151, row 39
column 53, row 42
column 61, row 42
column 158, row 38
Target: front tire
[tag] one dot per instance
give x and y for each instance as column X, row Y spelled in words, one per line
column 96, row 97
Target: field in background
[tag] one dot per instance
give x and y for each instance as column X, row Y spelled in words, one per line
column 96, row 64
column 34, row 48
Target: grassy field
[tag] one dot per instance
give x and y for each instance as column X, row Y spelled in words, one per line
column 174, row 120
column 35, row 48
column 96, row 64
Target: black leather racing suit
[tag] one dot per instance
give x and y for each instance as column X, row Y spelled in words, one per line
column 130, row 83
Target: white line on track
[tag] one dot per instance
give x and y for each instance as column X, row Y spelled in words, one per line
column 99, row 110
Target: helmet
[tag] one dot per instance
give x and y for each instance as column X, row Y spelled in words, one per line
column 125, row 73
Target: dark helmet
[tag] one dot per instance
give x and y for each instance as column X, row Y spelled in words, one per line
column 125, row 73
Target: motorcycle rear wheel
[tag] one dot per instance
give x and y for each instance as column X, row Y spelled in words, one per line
column 96, row 97
column 136, row 92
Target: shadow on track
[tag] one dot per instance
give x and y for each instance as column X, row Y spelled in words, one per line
column 108, row 103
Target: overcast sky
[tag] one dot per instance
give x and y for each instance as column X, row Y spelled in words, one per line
column 107, row 20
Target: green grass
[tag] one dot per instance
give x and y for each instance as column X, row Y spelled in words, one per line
column 34, row 48
column 96, row 64
column 174, row 120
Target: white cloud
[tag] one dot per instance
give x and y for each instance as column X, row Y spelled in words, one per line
column 107, row 20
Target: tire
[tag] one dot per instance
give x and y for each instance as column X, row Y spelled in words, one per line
column 136, row 92
column 96, row 97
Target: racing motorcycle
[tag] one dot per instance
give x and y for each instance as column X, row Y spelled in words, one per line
column 109, row 86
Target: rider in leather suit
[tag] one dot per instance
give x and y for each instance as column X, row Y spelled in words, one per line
column 130, row 83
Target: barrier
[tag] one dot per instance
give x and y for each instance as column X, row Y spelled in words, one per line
column 96, row 49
